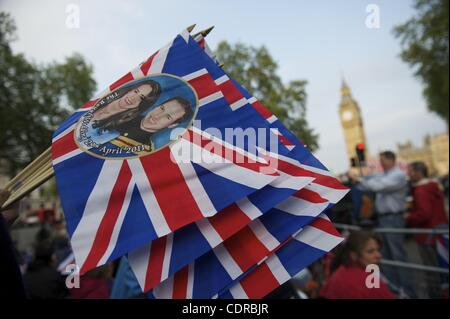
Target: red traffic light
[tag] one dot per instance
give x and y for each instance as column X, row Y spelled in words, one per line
column 360, row 146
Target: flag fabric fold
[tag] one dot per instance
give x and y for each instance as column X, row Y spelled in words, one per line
column 181, row 169
column 115, row 202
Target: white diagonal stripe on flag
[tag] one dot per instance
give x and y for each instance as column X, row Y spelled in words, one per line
column 118, row 225
column 195, row 186
column 148, row 198
column 301, row 207
column 316, row 170
column 84, row 235
column 137, row 73
column 185, row 35
column 222, row 79
column 252, row 100
column 248, row 208
column 333, row 195
column 193, row 75
column 227, row 261
column 167, row 256
column 318, row 238
column 225, row 168
column 238, row 104
column 209, row 232
column 264, row 236
column 272, row 119
column 138, row 260
column 67, row 156
column 64, row 133
column 190, row 283
column 210, row 98
column 159, row 60
column 238, row 292
column 230, row 146
column 278, row 271
column 291, row 182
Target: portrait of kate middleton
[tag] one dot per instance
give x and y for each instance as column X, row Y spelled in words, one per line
column 139, row 116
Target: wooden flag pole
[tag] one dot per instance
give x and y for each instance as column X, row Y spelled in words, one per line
column 28, row 170
column 29, row 187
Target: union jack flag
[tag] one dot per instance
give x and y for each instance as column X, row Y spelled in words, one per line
column 115, row 206
column 195, row 228
column 162, row 258
column 239, row 272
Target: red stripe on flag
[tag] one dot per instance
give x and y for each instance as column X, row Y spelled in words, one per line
column 172, row 193
column 284, row 140
column 259, row 282
column 155, row 263
column 201, row 43
column 106, row 227
column 147, row 64
column 310, row 196
column 89, row 104
column 239, row 159
column 180, row 283
column 230, row 92
column 64, row 145
column 262, row 110
column 124, row 79
column 221, row 221
column 325, row 180
column 325, row 226
column 245, row 248
column 287, row 167
column 204, row 85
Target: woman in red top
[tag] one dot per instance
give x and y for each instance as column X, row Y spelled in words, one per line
column 349, row 280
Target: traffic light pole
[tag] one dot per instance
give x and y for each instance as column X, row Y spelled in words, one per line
column 360, row 168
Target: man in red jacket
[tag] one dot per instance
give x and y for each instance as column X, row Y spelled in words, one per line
column 428, row 211
column 428, row 207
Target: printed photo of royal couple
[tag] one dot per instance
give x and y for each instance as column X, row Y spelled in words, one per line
column 142, row 114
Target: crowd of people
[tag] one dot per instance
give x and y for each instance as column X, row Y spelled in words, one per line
column 391, row 199
column 394, row 200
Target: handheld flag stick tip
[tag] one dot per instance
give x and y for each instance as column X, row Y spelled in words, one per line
column 191, row 27
column 204, row 32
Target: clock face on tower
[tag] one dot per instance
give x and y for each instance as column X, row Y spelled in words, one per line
column 347, row 116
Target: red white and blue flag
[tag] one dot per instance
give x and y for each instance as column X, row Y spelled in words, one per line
column 148, row 170
column 230, row 272
column 116, row 204
column 162, row 258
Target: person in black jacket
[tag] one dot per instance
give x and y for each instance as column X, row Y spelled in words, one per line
column 11, row 283
column 42, row 280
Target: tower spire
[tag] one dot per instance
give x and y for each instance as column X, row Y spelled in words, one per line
column 345, row 90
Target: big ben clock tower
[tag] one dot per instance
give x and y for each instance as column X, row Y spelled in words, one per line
column 351, row 122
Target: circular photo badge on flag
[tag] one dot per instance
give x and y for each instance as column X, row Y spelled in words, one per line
column 138, row 118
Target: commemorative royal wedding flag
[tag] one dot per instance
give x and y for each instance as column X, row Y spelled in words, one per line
column 138, row 162
column 178, row 167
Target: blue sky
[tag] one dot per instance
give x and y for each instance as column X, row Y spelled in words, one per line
column 314, row 40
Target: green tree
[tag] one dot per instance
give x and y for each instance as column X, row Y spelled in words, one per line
column 35, row 99
column 424, row 39
column 256, row 70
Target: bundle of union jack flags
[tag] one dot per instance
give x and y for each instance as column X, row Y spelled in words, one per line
column 179, row 169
